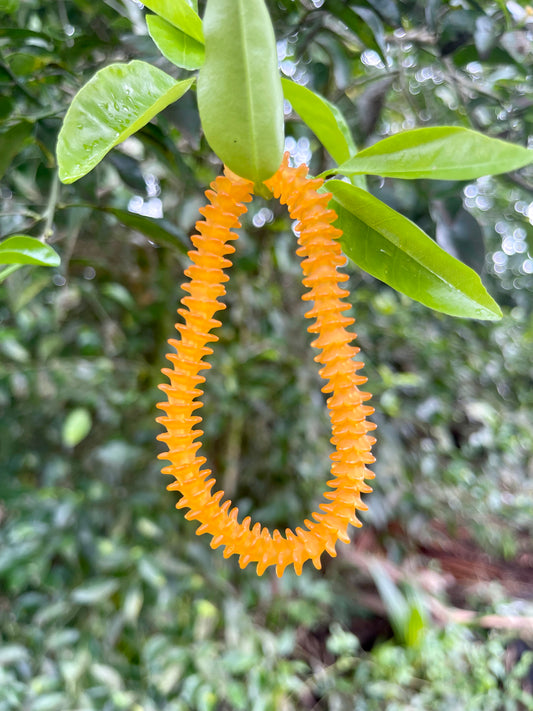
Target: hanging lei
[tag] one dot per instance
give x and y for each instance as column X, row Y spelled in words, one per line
column 321, row 254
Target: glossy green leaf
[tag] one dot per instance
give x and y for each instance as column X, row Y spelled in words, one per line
column 392, row 248
column 76, row 427
column 20, row 249
column 180, row 14
column 323, row 118
column 239, row 89
column 440, row 153
column 179, row 48
column 118, row 101
column 12, row 140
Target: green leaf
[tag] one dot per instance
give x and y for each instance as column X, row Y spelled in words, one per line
column 10, row 6
column 440, row 153
column 20, row 249
column 323, row 118
column 53, row 701
column 392, row 248
column 17, row 35
column 11, row 142
column 4, row 273
column 395, row 603
column 118, row 101
column 94, row 592
column 239, row 89
column 180, row 14
column 160, row 231
column 76, row 427
column 13, row 654
column 416, row 625
column 24, row 64
column 179, row 48
column 364, row 23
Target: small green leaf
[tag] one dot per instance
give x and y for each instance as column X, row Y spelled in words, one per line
column 239, row 89
column 440, row 153
column 416, row 625
column 323, row 118
column 179, row 48
column 20, row 249
column 12, row 140
column 180, row 14
column 118, row 101
column 76, row 427
column 392, row 248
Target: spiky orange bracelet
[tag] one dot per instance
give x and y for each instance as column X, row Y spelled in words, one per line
column 322, row 255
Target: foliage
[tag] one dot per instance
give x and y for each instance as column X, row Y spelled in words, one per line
column 108, row 599
column 240, row 107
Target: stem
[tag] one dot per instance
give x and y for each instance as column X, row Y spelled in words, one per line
column 9, row 270
column 5, row 66
column 49, row 213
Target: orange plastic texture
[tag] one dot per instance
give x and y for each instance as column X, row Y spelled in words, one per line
column 322, row 256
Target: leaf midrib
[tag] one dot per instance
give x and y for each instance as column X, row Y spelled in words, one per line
column 412, row 256
column 248, row 83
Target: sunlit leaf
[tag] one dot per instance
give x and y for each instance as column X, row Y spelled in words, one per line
column 107, row 675
column 95, row 591
column 76, row 427
column 52, row 701
column 179, row 48
column 180, row 14
column 239, row 89
column 118, row 101
column 20, row 249
column 393, row 249
column 323, row 118
column 440, row 153
column 13, row 654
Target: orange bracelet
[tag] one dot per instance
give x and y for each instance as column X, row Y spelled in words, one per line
column 321, row 252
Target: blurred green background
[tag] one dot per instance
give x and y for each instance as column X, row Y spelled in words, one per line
column 108, row 600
